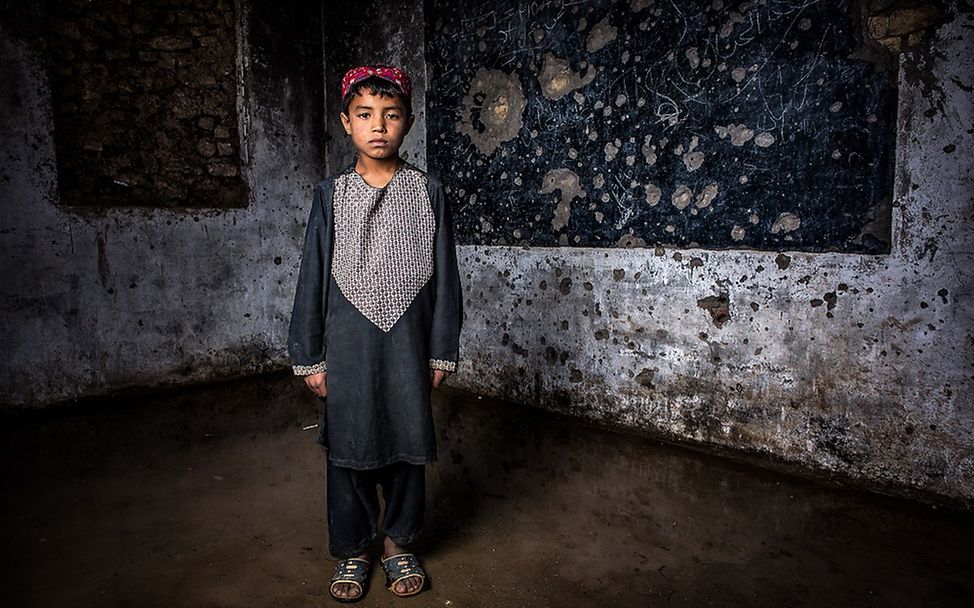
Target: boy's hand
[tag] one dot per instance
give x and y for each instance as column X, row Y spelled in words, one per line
column 437, row 376
column 318, row 383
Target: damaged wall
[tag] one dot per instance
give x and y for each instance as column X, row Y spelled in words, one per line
column 854, row 365
column 96, row 300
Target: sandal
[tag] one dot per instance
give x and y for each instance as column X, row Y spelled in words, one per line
column 400, row 567
column 352, row 571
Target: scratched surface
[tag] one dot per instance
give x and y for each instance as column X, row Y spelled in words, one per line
column 618, row 124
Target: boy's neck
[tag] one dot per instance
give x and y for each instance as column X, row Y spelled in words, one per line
column 377, row 170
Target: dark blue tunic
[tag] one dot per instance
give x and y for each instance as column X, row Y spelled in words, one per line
column 377, row 305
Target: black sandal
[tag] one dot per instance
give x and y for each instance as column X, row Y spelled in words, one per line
column 352, row 571
column 400, row 567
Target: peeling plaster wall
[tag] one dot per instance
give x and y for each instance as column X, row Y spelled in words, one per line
column 96, row 301
column 853, row 365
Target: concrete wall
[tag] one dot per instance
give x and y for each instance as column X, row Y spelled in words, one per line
column 858, row 366
column 95, row 301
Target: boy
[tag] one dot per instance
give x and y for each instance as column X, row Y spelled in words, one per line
column 375, row 325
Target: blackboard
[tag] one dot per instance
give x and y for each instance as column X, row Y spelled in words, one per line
column 711, row 124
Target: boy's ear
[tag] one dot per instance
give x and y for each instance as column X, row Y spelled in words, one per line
column 346, row 123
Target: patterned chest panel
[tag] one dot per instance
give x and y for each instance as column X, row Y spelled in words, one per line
column 383, row 243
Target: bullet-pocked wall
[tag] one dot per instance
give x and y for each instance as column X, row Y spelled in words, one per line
column 98, row 298
column 762, row 211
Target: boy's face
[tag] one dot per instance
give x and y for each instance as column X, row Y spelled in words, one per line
column 377, row 124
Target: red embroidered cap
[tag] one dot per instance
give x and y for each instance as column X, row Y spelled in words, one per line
column 394, row 75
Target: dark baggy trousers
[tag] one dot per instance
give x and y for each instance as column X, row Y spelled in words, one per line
column 353, row 505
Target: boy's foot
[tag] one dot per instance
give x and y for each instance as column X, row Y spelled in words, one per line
column 348, row 591
column 408, row 585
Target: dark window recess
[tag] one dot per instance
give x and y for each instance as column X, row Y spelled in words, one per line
column 144, row 98
column 626, row 124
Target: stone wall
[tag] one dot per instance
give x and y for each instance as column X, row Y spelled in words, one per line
column 144, row 99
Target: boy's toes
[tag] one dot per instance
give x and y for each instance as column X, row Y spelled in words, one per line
column 346, row 590
column 408, row 585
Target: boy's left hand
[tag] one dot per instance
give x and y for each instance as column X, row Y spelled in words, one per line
column 437, row 376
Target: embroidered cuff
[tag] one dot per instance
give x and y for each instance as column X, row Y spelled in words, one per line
column 307, row 370
column 447, row 366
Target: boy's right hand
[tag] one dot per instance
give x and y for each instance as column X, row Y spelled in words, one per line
column 318, row 383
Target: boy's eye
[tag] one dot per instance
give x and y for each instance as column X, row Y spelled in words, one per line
column 392, row 115
column 363, row 115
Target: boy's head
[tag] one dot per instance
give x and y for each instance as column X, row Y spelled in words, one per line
column 385, row 81
column 377, row 109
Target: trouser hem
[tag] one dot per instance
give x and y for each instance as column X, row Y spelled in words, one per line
column 404, row 540
column 355, row 551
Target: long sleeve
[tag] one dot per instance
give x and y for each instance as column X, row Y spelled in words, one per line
column 306, row 334
column 448, row 299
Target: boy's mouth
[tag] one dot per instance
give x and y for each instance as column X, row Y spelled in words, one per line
column 378, row 142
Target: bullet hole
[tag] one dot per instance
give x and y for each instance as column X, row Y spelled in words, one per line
column 949, row 148
column 718, row 307
column 830, row 298
column 645, row 378
column 924, row 305
column 618, row 274
column 816, row 302
column 278, row 261
column 551, row 355
column 696, row 262
column 755, row 306
column 782, row 261
column 565, row 286
column 543, row 285
column 943, row 295
column 564, row 324
column 588, row 286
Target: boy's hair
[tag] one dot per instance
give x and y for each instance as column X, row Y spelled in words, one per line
column 377, row 86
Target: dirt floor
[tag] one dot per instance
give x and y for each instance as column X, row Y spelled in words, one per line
column 215, row 497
